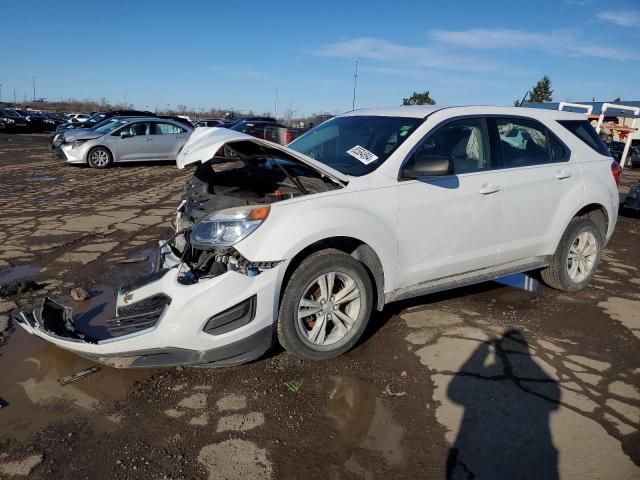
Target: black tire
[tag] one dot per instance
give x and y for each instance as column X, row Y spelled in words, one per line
column 290, row 333
column 94, row 162
column 556, row 275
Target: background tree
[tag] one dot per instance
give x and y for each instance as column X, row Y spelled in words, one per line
column 419, row 99
column 540, row 93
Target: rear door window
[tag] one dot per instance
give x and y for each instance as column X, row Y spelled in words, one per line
column 166, row 129
column 523, row 143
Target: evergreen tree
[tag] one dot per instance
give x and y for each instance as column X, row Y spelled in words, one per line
column 542, row 91
column 419, row 99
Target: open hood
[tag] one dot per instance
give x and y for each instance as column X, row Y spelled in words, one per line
column 204, row 143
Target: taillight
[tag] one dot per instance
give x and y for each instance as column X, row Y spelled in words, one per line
column 288, row 137
column 616, row 170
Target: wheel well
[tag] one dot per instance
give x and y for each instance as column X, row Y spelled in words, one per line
column 598, row 214
column 351, row 246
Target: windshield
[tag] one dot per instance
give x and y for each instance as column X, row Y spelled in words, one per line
column 355, row 145
column 109, row 126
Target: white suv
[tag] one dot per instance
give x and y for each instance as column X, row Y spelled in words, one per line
column 301, row 243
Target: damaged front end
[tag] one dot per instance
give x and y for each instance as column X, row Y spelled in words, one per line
column 206, row 303
column 234, row 191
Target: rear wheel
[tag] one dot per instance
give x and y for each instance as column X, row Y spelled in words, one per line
column 99, row 157
column 326, row 306
column 576, row 258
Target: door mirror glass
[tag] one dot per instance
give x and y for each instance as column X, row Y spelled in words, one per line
column 429, row 166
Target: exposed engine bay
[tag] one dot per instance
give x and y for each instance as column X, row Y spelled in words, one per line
column 233, row 178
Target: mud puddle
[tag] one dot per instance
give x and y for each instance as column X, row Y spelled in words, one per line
column 362, row 419
column 40, row 178
column 21, row 272
column 29, row 384
column 31, row 366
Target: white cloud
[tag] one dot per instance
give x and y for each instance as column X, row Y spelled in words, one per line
column 556, row 42
column 622, row 18
column 403, row 56
column 579, row 3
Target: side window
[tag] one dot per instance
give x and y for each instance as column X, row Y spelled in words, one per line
column 465, row 142
column 136, row 129
column 166, row 129
column 523, row 143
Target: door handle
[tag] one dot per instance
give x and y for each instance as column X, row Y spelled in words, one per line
column 562, row 174
column 488, row 189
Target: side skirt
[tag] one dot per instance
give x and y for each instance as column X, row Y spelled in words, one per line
column 468, row 278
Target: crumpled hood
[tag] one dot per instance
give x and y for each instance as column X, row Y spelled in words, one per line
column 204, row 143
column 80, row 134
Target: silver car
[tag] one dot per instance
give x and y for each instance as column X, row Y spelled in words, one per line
column 125, row 140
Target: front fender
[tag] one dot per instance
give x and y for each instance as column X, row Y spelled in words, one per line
column 369, row 216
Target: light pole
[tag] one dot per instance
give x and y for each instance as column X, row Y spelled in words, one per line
column 355, row 83
column 33, row 78
column 276, row 106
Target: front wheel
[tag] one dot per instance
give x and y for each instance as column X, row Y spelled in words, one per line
column 99, row 157
column 326, row 306
column 576, row 258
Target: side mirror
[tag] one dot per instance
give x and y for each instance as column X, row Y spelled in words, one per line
column 429, row 166
column 125, row 134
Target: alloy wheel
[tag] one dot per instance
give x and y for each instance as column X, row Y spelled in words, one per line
column 582, row 256
column 100, row 158
column 329, row 308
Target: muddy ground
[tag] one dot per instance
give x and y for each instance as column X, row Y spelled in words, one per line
column 488, row 382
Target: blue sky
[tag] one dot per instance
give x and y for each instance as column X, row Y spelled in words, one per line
column 235, row 54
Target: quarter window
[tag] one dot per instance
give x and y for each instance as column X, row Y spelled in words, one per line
column 524, row 143
column 465, row 142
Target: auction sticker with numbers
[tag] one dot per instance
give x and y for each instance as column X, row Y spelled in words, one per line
column 362, row 154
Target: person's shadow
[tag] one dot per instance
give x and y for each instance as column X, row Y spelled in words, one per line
column 505, row 432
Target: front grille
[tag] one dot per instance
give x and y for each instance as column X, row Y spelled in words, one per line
column 138, row 316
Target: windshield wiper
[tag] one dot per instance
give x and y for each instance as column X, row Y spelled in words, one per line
column 294, row 179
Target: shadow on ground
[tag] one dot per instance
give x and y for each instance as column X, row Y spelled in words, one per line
column 505, row 431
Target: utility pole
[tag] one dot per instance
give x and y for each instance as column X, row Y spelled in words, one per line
column 355, row 83
column 276, row 106
column 33, row 78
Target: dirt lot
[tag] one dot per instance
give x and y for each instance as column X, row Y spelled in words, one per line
column 488, row 382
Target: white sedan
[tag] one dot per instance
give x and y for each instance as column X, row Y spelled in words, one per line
column 128, row 139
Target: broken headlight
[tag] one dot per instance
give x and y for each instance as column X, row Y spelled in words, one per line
column 227, row 227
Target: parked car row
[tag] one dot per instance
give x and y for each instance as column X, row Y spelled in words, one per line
column 266, row 128
column 19, row 121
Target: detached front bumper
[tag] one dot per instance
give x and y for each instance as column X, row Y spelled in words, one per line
column 161, row 321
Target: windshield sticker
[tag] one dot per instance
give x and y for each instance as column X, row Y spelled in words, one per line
column 362, row 154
